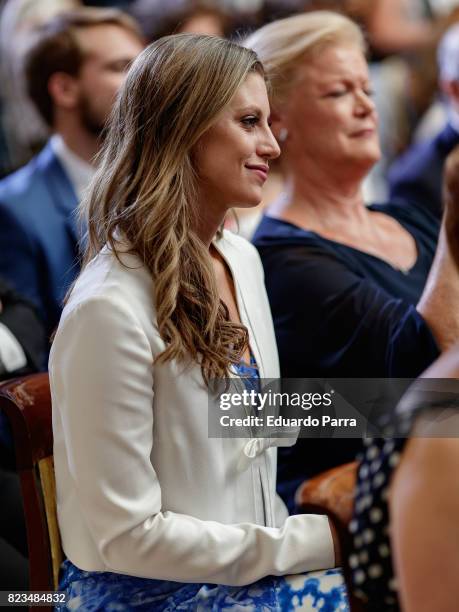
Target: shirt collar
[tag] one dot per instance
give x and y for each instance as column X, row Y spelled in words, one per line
column 78, row 170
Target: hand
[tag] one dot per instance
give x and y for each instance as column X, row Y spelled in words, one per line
column 336, row 545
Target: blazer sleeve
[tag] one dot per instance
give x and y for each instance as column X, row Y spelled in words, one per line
column 20, row 318
column 102, row 381
column 329, row 318
column 18, row 258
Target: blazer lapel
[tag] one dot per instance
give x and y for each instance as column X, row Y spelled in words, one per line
column 244, row 291
column 61, row 190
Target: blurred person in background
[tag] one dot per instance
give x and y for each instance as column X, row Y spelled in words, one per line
column 195, row 16
column 403, row 36
column 23, row 131
column 417, row 175
column 21, row 335
column 347, row 283
column 121, row 4
column 22, row 342
column 74, row 68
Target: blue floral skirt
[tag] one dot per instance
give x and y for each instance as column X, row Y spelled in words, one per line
column 97, row 591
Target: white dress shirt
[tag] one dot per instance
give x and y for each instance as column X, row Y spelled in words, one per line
column 79, row 172
column 12, row 356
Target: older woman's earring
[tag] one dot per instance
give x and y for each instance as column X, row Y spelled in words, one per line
column 283, row 134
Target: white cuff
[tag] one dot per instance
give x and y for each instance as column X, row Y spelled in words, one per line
column 11, row 353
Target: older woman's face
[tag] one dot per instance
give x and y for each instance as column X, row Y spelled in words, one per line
column 330, row 116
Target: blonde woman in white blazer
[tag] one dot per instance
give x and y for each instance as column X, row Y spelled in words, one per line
column 154, row 514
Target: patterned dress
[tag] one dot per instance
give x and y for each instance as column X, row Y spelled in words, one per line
column 111, row 592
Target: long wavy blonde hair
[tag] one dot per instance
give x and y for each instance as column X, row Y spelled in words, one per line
column 145, row 189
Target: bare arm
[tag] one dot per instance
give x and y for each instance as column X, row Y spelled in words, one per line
column 439, row 303
column 424, row 506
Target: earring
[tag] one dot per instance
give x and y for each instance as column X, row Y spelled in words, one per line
column 283, row 134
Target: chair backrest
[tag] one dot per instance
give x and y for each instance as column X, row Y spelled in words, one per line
column 26, row 402
column 332, row 493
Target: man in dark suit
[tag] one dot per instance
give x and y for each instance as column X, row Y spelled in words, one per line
column 73, row 71
column 416, row 176
column 21, row 334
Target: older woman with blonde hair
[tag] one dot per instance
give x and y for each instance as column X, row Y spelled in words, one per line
column 154, row 514
column 349, row 284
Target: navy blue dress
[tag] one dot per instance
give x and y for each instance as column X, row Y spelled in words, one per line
column 341, row 312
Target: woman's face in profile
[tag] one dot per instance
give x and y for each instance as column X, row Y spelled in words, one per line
column 330, row 115
column 232, row 157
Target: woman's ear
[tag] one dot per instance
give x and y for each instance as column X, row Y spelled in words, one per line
column 278, row 127
column 64, row 90
column 451, row 89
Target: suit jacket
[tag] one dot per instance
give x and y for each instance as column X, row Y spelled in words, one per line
column 416, row 177
column 20, row 317
column 22, row 322
column 38, row 234
column 141, row 487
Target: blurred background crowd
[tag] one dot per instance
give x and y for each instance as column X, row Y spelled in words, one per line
column 403, row 38
column 52, row 119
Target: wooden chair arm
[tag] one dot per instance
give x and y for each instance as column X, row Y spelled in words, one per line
column 26, row 402
column 333, row 491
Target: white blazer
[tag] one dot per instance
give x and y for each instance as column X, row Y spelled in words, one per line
column 141, row 488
